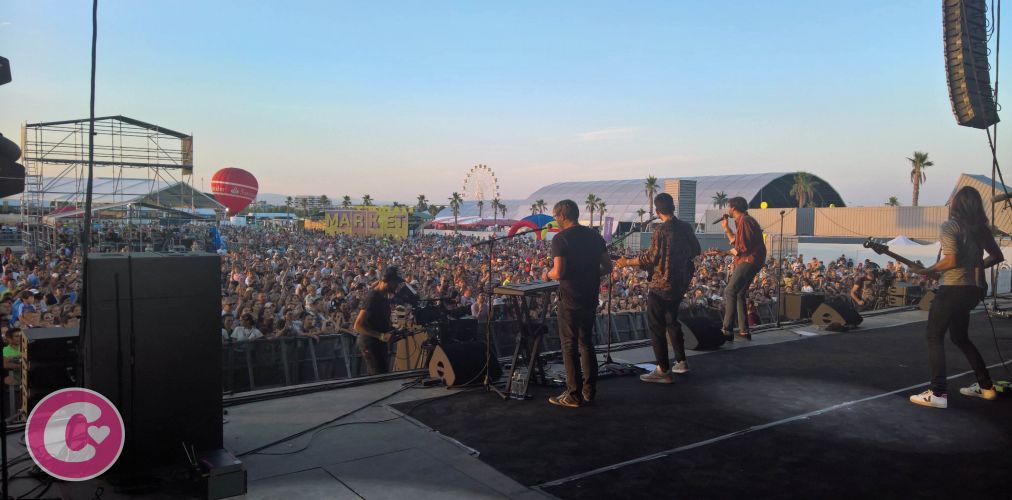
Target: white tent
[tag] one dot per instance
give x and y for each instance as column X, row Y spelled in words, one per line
column 902, row 241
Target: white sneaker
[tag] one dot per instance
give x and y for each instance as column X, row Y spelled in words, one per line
column 975, row 391
column 657, row 377
column 928, row 398
column 680, row 367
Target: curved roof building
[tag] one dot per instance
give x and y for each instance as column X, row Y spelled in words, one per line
column 625, row 197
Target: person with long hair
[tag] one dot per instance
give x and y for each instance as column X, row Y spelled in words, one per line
column 964, row 238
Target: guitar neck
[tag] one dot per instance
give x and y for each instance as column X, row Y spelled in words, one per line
column 901, row 259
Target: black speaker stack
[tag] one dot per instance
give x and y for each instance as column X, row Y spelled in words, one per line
column 50, row 358
column 966, row 67
column 836, row 314
column 152, row 345
column 799, row 306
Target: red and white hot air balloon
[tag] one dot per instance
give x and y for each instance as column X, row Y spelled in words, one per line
column 235, row 188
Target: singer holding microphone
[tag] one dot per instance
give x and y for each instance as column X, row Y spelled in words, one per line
column 749, row 253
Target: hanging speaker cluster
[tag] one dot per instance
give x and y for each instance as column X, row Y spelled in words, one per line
column 966, row 67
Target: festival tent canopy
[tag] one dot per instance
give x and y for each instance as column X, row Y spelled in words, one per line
column 902, row 240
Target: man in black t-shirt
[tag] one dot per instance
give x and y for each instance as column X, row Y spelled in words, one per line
column 373, row 323
column 579, row 259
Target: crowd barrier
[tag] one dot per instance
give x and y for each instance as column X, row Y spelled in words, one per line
column 280, row 362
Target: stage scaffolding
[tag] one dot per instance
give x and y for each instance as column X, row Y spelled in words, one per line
column 55, row 153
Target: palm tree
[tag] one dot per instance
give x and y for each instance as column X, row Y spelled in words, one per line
column 534, row 208
column 324, row 201
column 455, row 202
column 495, row 211
column 601, row 206
column 423, row 203
column 481, row 207
column 918, row 163
column 288, row 205
column 651, row 189
column 541, row 206
column 304, row 203
column 641, row 213
column 720, row 200
column 591, row 205
column 893, row 202
column 346, row 201
column 804, row 188
column 367, row 200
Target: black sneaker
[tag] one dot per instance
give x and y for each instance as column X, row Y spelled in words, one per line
column 587, row 400
column 565, row 399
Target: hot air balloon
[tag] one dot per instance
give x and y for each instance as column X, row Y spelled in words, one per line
column 235, row 188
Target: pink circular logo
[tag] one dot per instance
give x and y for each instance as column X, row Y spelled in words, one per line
column 75, row 434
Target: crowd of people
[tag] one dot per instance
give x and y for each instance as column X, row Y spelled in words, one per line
column 280, row 281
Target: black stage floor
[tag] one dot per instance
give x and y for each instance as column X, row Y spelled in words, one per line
column 815, row 418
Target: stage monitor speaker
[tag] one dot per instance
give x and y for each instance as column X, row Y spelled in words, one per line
column 707, row 333
column 905, row 290
column 152, row 345
column 839, row 312
column 925, row 304
column 800, row 306
column 462, row 364
column 964, row 24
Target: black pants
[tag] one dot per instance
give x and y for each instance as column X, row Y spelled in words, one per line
column 375, row 352
column 735, row 294
column 662, row 318
column 576, row 333
column 950, row 310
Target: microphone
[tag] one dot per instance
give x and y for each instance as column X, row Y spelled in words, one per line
column 998, row 198
column 718, row 221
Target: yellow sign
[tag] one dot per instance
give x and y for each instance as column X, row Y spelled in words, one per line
column 368, row 221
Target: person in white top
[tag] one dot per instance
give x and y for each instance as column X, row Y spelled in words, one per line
column 246, row 330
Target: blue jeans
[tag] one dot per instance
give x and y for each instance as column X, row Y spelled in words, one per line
column 735, row 295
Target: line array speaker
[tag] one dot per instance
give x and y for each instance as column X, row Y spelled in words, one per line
column 966, row 67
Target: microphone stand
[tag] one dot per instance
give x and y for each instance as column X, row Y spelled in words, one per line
column 611, row 283
column 491, row 241
column 780, row 266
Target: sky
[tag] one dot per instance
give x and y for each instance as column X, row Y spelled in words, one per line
column 397, row 99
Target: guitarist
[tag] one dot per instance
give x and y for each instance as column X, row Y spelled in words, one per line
column 964, row 238
column 749, row 251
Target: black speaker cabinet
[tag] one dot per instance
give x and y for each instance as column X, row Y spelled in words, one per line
column 707, row 333
column 50, row 356
column 964, row 23
column 800, row 306
column 839, row 312
column 905, row 290
column 152, row 345
column 462, row 364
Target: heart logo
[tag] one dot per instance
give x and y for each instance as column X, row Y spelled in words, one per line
column 99, row 433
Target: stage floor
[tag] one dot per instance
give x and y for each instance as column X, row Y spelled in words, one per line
column 819, row 418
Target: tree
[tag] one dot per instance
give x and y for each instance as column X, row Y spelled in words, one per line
column 651, row 189
column 324, row 201
column 304, row 203
column 423, row 203
column 495, row 211
column 288, row 205
column 804, row 188
column 917, row 165
column 534, row 208
column 435, row 209
column 541, row 206
column 346, row 201
column 641, row 213
column 893, row 202
column 591, row 205
column 720, row 200
column 455, row 201
column 601, row 208
column 367, row 200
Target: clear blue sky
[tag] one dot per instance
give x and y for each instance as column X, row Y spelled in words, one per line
column 396, row 99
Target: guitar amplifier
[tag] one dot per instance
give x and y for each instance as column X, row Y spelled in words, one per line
column 907, row 290
column 49, row 363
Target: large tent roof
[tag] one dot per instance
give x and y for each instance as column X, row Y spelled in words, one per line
column 625, row 196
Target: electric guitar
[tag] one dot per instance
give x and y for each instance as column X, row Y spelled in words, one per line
column 883, row 249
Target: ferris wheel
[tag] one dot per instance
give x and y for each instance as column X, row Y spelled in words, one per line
column 480, row 184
